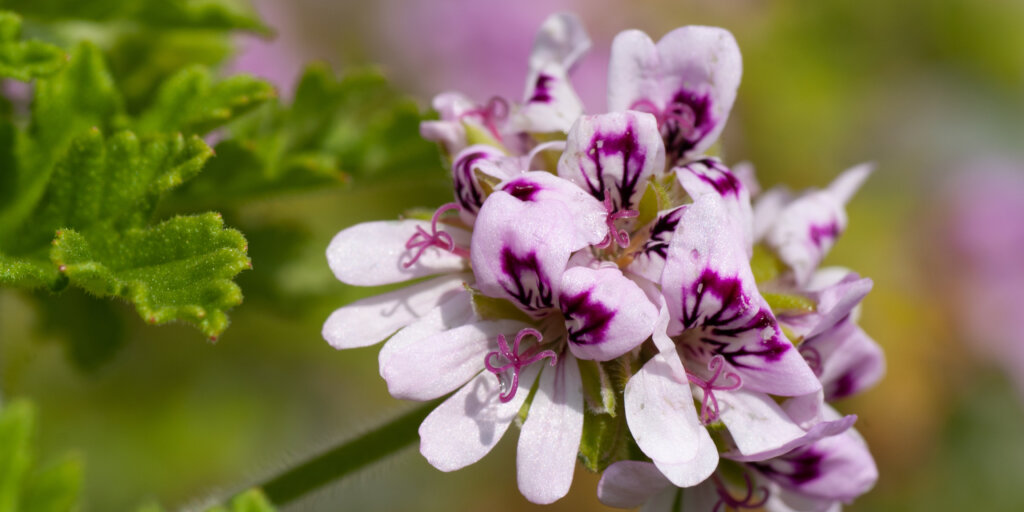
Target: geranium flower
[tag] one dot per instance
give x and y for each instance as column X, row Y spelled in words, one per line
column 815, row 476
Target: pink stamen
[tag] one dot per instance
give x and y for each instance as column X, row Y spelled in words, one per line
column 516, row 361
column 620, row 237
column 422, row 240
column 495, row 110
column 748, row 502
column 709, row 406
column 813, row 358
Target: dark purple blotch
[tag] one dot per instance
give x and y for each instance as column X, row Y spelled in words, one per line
column 542, row 89
column 627, row 144
column 520, row 270
column 658, row 240
column 729, row 291
column 685, row 121
column 587, row 319
column 820, row 233
column 523, row 189
column 793, row 469
column 724, row 340
column 467, row 191
column 719, row 177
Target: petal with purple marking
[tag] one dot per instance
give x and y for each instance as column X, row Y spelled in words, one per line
column 370, row 320
column 688, row 80
column 520, row 249
column 467, row 425
column 807, row 228
column 375, row 253
column 550, row 104
column 550, row 437
column 469, row 193
column 710, row 176
column 649, row 260
column 711, row 295
column 850, row 361
column 832, row 304
column 614, row 154
column 606, row 313
column 836, row 468
column 587, row 213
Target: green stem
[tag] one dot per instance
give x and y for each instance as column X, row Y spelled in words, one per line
column 346, row 458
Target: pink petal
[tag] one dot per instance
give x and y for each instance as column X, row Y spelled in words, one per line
column 606, row 314
column 630, row 484
column 373, row 253
column 661, row 414
column 520, row 249
column 695, row 470
column 850, row 360
column 709, row 176
column 616, row 154
column 466, row 427
column 698, row 67
column 370, row 320
column 438, row 364
column 649, row 261
column 550, row 104
column 587, row 213
column 550, row 437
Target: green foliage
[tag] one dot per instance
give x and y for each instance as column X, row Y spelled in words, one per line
column 23, row 488
column 357, row 125
column 25, row 60
column 81, row 202
column 199, row 14
column 252, row 500
column 191, row 103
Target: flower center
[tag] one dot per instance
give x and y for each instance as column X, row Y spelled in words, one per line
column 516, row 361
column 496, row 109
column 730, row 502
column 620, row 237
column 420, row 241
column 709, row 406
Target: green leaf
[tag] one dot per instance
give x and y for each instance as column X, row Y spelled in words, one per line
column 91, row 330
column 196, row 14
column 252, row 500
column 16, row 425
column 357, row 125
column 25, row 60
column 55, row 489
column 189, row 102
column 180, row 269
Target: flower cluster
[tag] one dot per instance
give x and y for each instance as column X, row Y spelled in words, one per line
column 602, row 270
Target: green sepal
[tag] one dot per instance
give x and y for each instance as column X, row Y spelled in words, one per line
column 765, row 264
column 649, row 204
column 477, row 135
column 25, row 60
column 490, row 308
column 190, row 102
column 180, row 269
column 606, row 436
column 791, row 304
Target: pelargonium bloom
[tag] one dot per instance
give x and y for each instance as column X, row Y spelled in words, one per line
column 599, row 267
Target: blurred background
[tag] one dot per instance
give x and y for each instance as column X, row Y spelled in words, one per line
column 931, row 90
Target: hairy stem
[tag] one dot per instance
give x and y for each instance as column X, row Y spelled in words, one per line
column 346, row 458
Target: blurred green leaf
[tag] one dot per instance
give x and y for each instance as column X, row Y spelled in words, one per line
column 189, row 101
column 206, row 14
column 54, row 489
column 357, row 125
column 252, row 500
column 97, row 194
column 25, row 60
column 91, row 330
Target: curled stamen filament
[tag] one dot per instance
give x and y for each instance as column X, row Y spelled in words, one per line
column 620, row 237
column 748, row 501
column 813, row 358
column 709, row 406
column 421, row 240
column 495, row 110
column 516, row 361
